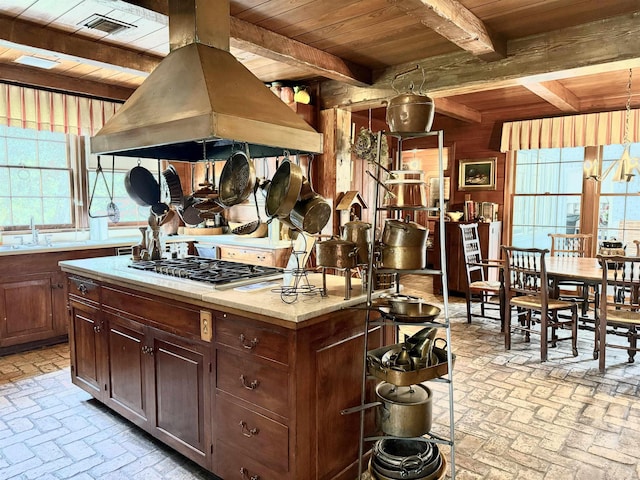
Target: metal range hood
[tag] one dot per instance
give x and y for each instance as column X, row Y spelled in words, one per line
column 200, row 92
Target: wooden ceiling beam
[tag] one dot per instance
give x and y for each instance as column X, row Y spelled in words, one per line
column 556, row 94
column 19, row 33
column 575, row 51
column 456, row 23
column 36, row 77
column 456, row 110
column 251, row 38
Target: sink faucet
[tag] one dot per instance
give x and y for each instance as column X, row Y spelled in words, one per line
column 34, row 232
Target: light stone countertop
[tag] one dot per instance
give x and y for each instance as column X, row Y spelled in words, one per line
column 262, row 302
column 64, row 246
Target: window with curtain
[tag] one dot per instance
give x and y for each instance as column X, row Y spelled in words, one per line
column 548, row 195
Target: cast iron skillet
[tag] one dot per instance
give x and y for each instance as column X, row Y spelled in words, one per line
column 142, row 186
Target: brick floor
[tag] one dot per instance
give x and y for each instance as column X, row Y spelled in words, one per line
column 515, row 418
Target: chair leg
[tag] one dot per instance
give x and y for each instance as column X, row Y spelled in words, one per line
column 507, row 326
column 468, row 307
column 633, row 343
column 574, row 330
column 543, row 335
column 602, row 342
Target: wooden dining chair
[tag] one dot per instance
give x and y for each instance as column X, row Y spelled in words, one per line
column 619, row 306
column 572, row 245
column 527, row 290
column 479, row 290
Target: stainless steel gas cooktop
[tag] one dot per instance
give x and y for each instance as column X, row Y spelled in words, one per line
column 221, row 273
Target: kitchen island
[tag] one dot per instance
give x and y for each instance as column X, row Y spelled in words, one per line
column 240, row 382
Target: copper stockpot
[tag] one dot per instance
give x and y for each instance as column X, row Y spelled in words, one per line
column 359, row 233
column 336, row 253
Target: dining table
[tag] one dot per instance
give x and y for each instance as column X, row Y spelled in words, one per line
column 579, row 269
column 584, row 270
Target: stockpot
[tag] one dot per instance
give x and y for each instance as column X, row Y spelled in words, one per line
column 359, row 233
column 404, row 411
column 404, row 233
column 336, row 253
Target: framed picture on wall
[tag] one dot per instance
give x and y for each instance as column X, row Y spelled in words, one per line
column 478, row 174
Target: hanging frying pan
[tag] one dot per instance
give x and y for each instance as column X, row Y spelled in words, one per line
column 142, row 186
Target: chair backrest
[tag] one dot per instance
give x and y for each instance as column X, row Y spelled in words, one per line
column 525, row 272
column 571, row 245
column 620, row 286
column 471, row 252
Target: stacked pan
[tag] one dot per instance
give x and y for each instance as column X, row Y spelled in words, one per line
column 291, row 199
column 406, row 459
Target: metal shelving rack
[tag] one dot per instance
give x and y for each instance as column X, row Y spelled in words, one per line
column 385, row 320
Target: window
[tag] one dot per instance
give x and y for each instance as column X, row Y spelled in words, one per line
column 35, row 178
column 115, row 170
column 548, row 196
column 38, row 182
column 619, row 201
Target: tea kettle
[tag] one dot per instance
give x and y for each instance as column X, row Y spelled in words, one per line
column 611, row 247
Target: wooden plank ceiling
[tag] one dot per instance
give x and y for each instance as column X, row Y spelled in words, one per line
column 506, row 59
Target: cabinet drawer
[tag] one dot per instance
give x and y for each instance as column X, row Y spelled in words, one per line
column 248, row 255
column 261, row 438
column 229, row 463
column 233, row 332
column 253, row 380
column 84, row 288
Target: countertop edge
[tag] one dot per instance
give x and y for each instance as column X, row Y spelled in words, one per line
column 264, row 303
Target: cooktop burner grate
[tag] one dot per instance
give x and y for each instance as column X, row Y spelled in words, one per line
column 208, row 270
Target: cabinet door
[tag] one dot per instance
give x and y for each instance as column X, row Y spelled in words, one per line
column 88, row 349
column 181, row 396
column 26, row 310
column 128, row 380
column 59, row 310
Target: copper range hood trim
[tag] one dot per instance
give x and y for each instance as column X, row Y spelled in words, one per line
column 202, row 93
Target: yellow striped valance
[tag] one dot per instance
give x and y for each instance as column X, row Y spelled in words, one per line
column 56, row 112
column 586, row 130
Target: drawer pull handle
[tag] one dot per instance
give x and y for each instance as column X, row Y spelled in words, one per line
column 248, row 432
column 83, row 289
column 244, row 474
column 97, row 328
column 249, row 386
column 147, row 350
column 246, row 344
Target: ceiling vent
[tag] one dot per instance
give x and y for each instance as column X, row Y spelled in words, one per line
column 106, row 24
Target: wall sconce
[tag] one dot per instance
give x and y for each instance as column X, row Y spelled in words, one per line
column 625, row 166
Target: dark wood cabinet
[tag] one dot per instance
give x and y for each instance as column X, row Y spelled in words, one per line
column 88, row 349
column 258, row 401
column 33, row 299
column 489, row 234
column 128, row 366
column 26, row 309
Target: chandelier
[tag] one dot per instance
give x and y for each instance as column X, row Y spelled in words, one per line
column 625, row 165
